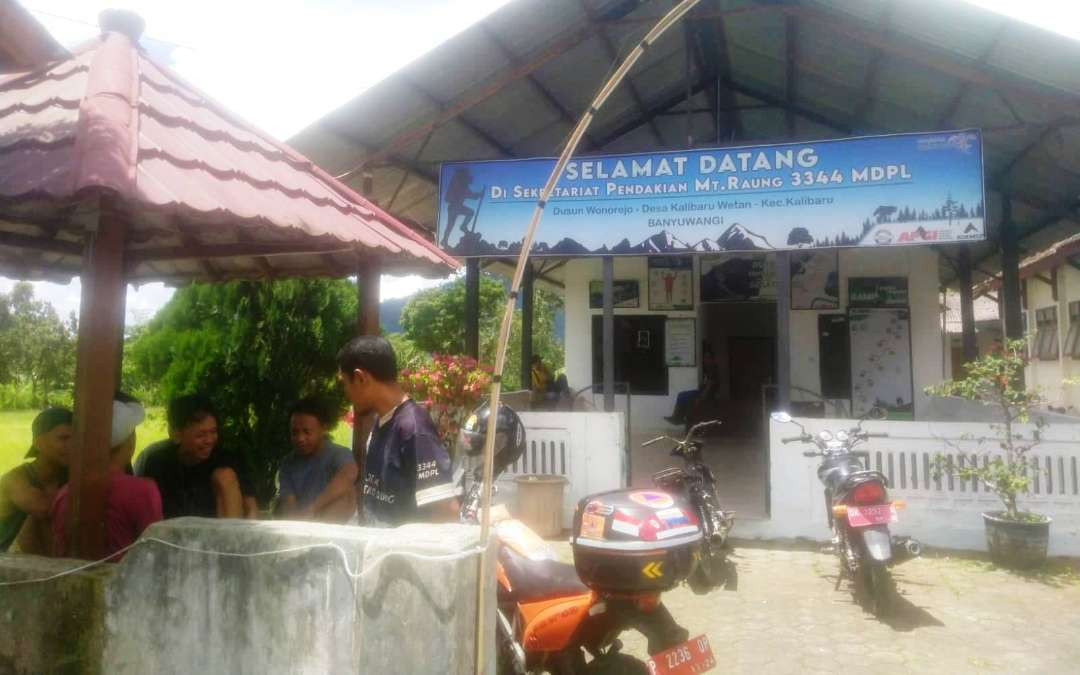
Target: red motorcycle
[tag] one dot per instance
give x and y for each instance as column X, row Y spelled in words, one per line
column 859, row 512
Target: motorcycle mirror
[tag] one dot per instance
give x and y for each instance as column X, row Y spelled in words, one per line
column 877, row 413
column 781, row 417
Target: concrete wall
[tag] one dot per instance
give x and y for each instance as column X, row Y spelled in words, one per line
column 918, row 263
column 941, row 513
column 1050, row 376
column 167, row 610
column 174, row 611
column 53, row 627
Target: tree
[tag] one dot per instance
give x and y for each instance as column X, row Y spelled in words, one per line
column 948, row 209
column 254, row 348
column 37, row 347
column 433, row 322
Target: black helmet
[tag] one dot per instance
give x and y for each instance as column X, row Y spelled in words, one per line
column 509, row 435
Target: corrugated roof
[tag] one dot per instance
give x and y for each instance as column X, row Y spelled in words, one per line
column 832, row 67
column 205, row 194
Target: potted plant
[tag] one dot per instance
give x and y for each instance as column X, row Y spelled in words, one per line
column 1016, row 538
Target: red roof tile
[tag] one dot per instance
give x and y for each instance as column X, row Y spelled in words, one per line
column 184, row 168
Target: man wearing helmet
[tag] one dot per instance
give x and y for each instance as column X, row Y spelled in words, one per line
column 407, row 474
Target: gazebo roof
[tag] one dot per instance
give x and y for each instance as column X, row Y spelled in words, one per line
column 204, row 194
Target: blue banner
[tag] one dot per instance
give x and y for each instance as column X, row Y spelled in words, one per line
column 873, row 191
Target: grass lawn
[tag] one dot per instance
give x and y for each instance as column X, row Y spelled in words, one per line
column 15, row 434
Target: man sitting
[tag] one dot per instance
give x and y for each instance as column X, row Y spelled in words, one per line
column 28, row 490
column 195, row 476
column 317, row 480
column 132, row 504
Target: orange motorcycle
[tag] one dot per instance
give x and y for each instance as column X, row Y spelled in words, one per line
column 629, row 546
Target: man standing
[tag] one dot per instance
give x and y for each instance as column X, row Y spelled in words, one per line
column 27, row 491
column 194, row 475
column 407, row 475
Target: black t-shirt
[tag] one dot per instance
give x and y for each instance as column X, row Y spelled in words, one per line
column 186, row 490
column 407, row 467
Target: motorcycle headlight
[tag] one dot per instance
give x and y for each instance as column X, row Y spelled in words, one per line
column 825, row 436
column 842, row 435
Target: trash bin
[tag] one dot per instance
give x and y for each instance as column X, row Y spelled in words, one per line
column 540, row 503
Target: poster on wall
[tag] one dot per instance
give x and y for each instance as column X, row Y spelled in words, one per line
column 671, row 283
column 815, row 280
column 881, row 362
column 680, row 342
column 877, row 292
column 625, row 294
column 900, row 189
column 738, row 277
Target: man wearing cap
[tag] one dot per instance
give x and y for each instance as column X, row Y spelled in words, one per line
column 132, row 503
column 27, row 491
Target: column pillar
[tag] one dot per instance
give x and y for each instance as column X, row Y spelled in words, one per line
column 967, row 303
column 472, row 308
column 609, row 333
column 1011, row 303
column 783, row 330
column 101, row 320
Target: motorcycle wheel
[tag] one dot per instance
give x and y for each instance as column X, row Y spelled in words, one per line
column 708, row 574
column 616, row 664
column 877, row 588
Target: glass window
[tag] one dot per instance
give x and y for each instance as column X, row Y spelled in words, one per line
column 1072, row 339
column 1046, row 334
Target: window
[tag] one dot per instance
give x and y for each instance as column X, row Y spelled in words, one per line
column 1046, row 334
column 1072, row 340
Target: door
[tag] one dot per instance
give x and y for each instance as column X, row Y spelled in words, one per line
column 752, row 364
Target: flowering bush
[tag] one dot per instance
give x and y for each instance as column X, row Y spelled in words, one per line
column 450, row 387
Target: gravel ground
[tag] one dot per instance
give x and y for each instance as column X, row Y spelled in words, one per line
column 953, row 615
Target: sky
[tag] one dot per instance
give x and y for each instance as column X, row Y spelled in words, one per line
column 283, row 64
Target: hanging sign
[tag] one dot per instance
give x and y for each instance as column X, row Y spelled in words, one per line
column 922, row 188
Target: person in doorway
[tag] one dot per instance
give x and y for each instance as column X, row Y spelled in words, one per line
column 317, row 480
column 195, row 476
column 407, row 472
column 132, row 504
column 27, row 491
column 687, row 403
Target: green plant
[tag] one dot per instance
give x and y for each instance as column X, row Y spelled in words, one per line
column 994, row 380
column 450, row 387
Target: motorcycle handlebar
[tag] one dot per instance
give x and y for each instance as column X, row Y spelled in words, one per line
column 810, row 453
column 791, row 439
column 653, row 441
column 877, row 435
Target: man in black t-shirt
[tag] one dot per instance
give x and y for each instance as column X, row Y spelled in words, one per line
column 407, row 475
column 194, row 475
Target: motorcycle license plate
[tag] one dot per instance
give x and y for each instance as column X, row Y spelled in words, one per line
column 864, row 516
column 693, row 656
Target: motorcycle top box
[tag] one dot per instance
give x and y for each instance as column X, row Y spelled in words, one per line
column 634, row 541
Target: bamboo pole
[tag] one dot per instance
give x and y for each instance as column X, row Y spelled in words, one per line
column 669, row 19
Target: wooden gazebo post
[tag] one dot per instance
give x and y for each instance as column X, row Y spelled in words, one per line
column 101, row 312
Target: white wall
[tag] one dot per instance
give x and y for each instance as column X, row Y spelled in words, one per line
column 646, row 411
column 944, row 516
column 918, row 263
column 1049, row 376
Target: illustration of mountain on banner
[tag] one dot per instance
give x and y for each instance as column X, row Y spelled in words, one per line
column 735, row 238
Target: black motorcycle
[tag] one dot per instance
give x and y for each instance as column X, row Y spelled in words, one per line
column 695, row 481
column 859, row 512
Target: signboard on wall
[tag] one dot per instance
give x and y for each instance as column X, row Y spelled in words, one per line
column 738, row 277
column 671, row 283
column 815, row 280
column 881, row 362
column 625, row 294
column 871, row 191
column 877, row 292
column 680, row 342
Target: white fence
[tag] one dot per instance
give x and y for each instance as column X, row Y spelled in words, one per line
column 587, row 448
column 941, row 511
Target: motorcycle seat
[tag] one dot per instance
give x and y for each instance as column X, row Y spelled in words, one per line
column 534, row 580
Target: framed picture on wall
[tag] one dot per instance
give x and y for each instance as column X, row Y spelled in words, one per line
column 815, row 279
column 626, row 292
column 738, row 277
column 671, row 283
column 878, row 292
column 680, row 342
